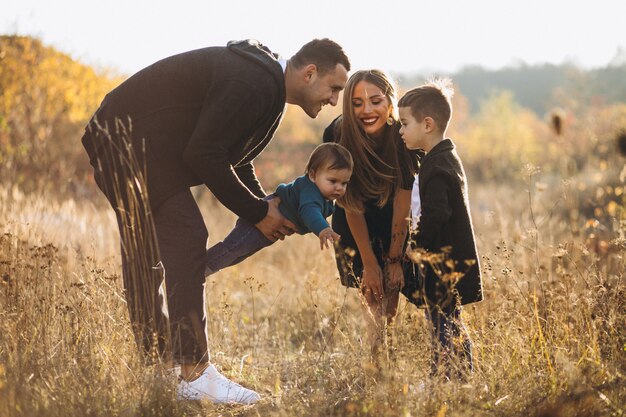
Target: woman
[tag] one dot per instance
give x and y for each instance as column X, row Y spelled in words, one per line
column 372, row 217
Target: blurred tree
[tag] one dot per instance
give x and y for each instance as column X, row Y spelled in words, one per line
column 501, row 138
column 500, row 119
column 45, row 99
column 287, row 154
column 534, row 86
column 298, row 128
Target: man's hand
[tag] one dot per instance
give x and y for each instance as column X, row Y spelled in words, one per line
column 327, row 237
column 274, row 225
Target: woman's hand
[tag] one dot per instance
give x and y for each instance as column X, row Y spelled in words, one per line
column 372, row 283
column 394, row 276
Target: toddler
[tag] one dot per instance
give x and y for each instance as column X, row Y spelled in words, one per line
column 306, row 201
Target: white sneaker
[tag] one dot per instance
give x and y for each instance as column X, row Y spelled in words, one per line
column 215, row 387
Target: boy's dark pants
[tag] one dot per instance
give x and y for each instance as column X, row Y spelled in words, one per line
column 450, row 338
column 168, row 242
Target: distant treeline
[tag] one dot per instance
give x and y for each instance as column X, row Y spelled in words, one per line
column 503, row 120
column 538, row 87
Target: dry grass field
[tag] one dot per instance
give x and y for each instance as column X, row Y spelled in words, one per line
column 549, row 338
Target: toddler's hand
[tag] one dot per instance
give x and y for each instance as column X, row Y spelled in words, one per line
column 327, row 236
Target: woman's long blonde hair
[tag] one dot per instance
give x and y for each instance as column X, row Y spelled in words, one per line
column 376, row 171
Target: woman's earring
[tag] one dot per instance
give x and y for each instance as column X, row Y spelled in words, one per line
column 389, row 121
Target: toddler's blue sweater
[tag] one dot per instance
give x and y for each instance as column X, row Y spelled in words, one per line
column 302, row 203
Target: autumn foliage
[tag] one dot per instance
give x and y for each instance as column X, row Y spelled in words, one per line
column 45, row 99
column 548, row 198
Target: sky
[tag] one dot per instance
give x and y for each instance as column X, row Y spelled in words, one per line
column 436, row 36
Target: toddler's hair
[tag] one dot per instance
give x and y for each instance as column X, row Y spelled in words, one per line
column 432, row 99
column 329, row 156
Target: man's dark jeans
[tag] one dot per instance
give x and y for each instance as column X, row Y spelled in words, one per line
column 168, row 242
column 182, row 238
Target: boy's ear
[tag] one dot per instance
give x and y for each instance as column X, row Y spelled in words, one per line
column 311, row 175
column 429, row 124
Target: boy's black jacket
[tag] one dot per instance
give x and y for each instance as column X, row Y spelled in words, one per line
column 445, row 222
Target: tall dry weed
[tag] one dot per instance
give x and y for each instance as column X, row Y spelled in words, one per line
column 548, row 339
column 549, row 335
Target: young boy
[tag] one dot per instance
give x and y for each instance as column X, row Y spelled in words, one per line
column 306, row 202
column 443, row 246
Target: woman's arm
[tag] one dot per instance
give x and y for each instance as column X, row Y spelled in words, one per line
column 372, row 279
column 399, row 229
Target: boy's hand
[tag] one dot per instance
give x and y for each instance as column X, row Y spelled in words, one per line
column 327, row 237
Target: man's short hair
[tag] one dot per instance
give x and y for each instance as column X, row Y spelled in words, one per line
column 324, row 53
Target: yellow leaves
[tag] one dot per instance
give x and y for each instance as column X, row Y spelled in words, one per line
column 277, row 386
column 46, row 98
column 46, row 85
column 612, row 208
column 352, row 407
column 503, row 135
column 442, row 411
column 2, row 377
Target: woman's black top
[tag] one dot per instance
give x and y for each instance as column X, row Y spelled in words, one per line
column 379, row 219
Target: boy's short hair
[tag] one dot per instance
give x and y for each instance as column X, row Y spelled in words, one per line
column 324, row 53
column 329, row 156
column 432, row 99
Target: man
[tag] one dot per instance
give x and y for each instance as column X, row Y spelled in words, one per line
column 200, row 117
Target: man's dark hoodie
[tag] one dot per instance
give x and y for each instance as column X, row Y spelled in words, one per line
column 199, row 117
